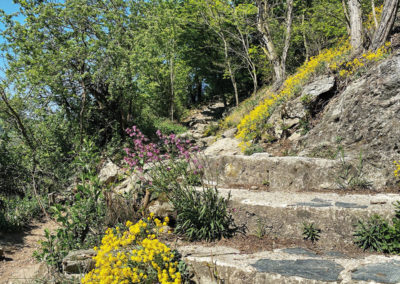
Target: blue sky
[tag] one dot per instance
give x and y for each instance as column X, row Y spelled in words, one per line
column 9, row 7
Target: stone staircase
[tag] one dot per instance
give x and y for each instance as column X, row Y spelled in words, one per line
column 273, row 197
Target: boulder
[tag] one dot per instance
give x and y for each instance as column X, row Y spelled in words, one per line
column 225, row 146
column 127, row 185
column 78, row 261
column 365, row 120
column 230, row 133
column 109, row 173
column 161, row 208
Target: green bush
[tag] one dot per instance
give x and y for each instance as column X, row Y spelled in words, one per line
column 82, row 222
column 203, row 215
column 377, row 234
column 211, row 130
column 17, row 212
column 167, row 126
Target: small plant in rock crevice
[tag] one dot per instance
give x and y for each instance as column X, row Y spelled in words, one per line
column 351, row 177
column 377, row 234
column 311, row 232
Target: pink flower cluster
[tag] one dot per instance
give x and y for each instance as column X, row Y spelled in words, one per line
column 169, row 146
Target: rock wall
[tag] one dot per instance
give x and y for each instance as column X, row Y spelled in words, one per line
column 364, row 118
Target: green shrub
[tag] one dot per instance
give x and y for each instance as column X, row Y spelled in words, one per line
column 376, row 234
column 167, row 126
column 17, row 212
column 82, row 222
column 202, row 215
column 211, row 130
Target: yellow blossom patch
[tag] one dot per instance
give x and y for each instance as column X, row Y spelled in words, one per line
column 134, row 256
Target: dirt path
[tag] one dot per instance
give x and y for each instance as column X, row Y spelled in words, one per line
column 19, row 266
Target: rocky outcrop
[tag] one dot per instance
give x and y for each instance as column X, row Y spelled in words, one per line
column 79, row 261
column 364, row 120
column 279, row 173
column 109, row 173
column 288, row 116
column 224, row 146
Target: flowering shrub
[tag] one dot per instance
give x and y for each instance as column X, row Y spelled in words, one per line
column 397, row 170
column 135, row 256
column 351, row 67
column 173, row 166
column 162, row 166
column 255, row 123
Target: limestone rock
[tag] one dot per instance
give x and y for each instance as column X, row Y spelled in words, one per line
column 109, row 173
column 225, row 146
column 365, row 118
column 161, row 208
column 318, row 87
column 281, row 173
column 126, row 186
column 79, row 261
column 230, row 133
column 289, row 115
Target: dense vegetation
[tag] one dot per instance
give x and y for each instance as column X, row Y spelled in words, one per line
column 79, row 73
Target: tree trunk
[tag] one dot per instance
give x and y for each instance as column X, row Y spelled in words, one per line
column 355, row 14
column 230, row 70
column 386, row 24
column 305, row 39
column 288, row 33
column 346, row 16
column 374, row 13
column 279, row 64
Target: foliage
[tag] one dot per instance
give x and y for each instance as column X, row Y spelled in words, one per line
column 351, row 177
column 376, row 234
column 16, row 212
column 203, row 214
column 357, row 64
column 397, row 170
column 253, row 149
column 261, row 229
column 81, row 220
column 167, row 126
column 172, row 166
column 135, row 255
column 311, row 232
column 254, row 124
column 211, row 130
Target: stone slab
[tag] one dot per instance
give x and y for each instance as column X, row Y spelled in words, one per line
column 315, row 269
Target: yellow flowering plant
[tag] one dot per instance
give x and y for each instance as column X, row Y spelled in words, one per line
column 136, row 255
column 397, row 170
column 253, row 125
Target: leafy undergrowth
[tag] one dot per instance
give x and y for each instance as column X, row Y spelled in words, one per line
column 377, row 234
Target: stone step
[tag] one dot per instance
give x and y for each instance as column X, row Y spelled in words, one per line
column 282, row 214
column 221, row 264
column 278, row 173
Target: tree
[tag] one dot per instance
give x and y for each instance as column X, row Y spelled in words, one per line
column 278, row 61
column 382, row 30
column 388, row 17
